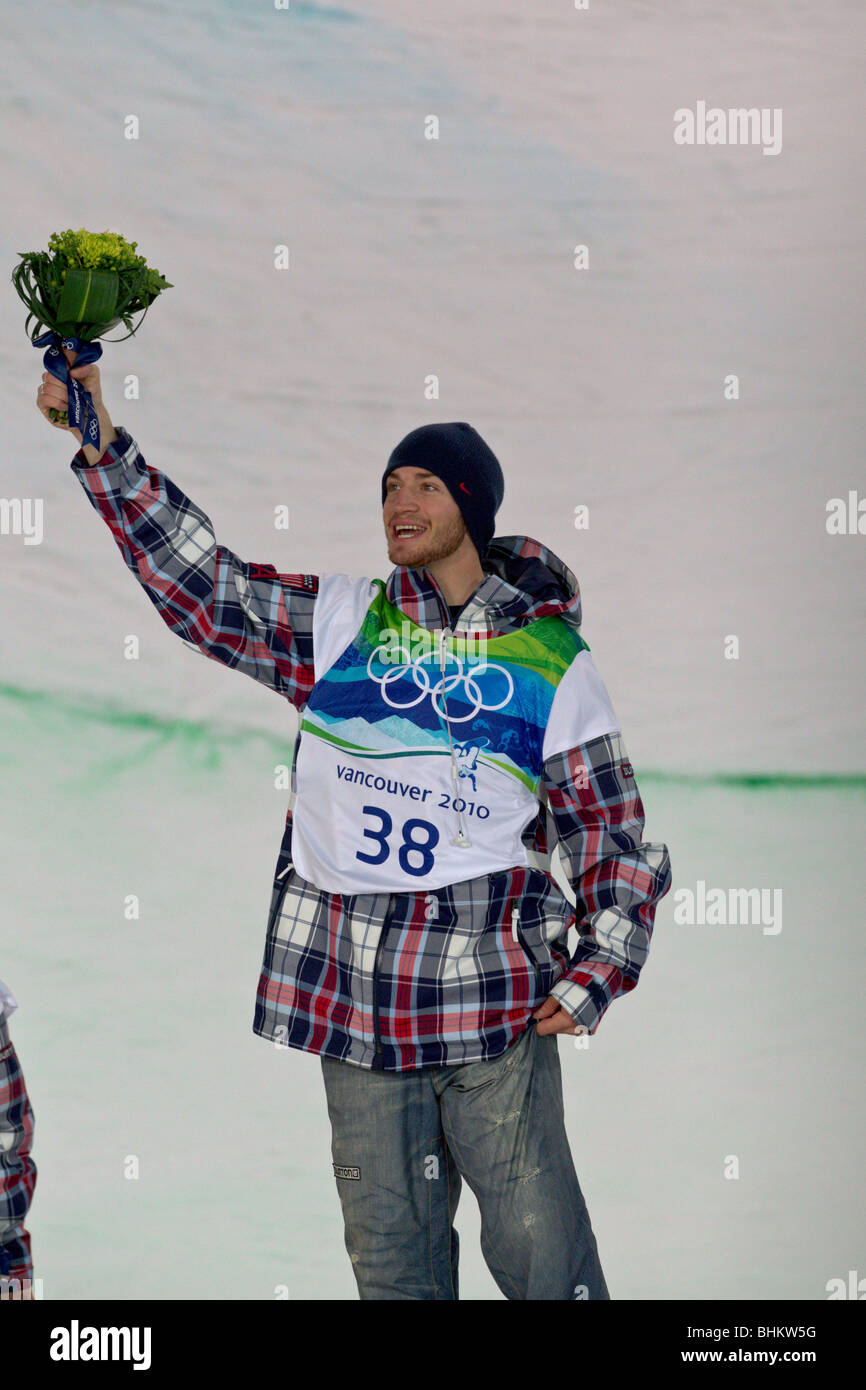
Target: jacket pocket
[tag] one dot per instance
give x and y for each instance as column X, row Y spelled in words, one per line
column 513, row 924
column 278, row 892
column 545, row 918
column 545, row 908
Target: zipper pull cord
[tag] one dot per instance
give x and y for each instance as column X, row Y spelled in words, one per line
column 461, row 839
column 515, row 913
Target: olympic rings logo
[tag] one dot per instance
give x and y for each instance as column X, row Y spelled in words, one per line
column 469, row 683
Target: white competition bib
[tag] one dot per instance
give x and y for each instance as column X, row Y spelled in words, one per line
column 393, row 746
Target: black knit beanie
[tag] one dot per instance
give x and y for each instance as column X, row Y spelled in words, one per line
column 470, row 470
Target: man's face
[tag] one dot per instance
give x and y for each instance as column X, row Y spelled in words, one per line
column 418, row 499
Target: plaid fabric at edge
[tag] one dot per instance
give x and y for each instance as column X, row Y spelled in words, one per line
column 407, row 980
column 17, row 1169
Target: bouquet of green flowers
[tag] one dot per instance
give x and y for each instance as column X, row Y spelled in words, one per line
column 79, row 289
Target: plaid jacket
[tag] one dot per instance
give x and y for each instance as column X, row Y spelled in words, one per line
column 17, row 1169
column 400, row 981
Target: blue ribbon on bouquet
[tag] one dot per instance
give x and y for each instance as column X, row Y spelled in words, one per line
column 80, row 407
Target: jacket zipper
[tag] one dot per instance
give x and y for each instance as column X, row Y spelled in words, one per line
column 518, row 937
column 376, row 1038
column 431, row 900
column 446, row 616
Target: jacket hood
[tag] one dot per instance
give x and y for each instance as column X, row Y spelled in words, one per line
column 538, row 574
column 523, row 581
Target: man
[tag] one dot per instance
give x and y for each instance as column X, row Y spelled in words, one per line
column 416, row 939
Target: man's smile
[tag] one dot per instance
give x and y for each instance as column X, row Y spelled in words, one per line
column 407, row 530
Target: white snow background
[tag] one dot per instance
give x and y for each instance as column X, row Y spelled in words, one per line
column 604, row 387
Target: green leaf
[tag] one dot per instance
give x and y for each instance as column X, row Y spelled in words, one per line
column 88, row 296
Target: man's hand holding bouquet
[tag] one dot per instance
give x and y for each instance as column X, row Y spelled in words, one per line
column 79, row 289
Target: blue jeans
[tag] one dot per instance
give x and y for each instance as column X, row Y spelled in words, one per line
column 403, row 1141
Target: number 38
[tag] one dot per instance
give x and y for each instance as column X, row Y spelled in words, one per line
column 409, row 844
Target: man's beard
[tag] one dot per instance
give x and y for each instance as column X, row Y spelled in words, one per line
column 436, row 547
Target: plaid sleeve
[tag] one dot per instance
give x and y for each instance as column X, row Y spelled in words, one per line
column 245, row 615
column 17, row 1169
column 617, row 878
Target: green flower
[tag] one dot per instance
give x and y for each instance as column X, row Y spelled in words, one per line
column 85, row 284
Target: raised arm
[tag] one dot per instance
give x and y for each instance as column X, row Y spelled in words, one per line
column 245, row 615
